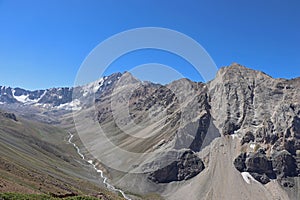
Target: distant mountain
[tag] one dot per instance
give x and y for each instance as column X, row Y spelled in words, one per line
column 46, row 105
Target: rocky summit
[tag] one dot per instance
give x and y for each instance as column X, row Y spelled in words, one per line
column 235, row 137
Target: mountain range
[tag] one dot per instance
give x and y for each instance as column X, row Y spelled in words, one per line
column 234, row 137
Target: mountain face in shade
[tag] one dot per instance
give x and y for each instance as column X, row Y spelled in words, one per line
column 240, row 130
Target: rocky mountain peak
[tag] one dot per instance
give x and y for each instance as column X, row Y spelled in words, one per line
column 264, row 112
column 237, row 72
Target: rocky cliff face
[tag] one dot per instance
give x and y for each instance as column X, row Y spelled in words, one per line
column 265, row 113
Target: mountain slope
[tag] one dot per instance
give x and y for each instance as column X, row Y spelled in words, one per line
column 36, row 158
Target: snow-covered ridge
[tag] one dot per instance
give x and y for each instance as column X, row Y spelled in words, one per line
column 57, row 98
column 92, row 87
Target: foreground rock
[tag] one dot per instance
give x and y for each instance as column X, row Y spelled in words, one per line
column 281, row 166
column 186, row 167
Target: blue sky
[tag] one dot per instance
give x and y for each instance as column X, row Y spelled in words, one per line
column 43, row 43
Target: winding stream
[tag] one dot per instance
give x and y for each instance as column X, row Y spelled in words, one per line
column 109, row 186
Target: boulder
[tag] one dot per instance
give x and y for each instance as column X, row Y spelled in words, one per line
column 248, row 137
column 239, row 162
column 284, row 164
column 186, row 167
column 259, row 163
column 262, row 178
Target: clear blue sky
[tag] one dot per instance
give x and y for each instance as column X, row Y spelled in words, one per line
column 43, row 43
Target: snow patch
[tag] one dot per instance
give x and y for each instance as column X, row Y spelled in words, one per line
column 73, row 105
column 252, row 145
column 92, row 87
column 235, row 135
column 25, row 98
column 42, row 96
column 247, row 177
column 22, row 98
column 45, row 105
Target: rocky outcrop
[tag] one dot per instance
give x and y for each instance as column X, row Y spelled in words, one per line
column 240, row 162
column 9, row 115
column 282, row 166
column 186, row 167
column 6, row 95
column 248, row 137
column 257, row 164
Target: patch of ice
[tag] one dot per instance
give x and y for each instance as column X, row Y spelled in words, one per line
column 247, row 177
column 73, row 105
column 46, row 105
column 41, row 96
column 235, row 135
column 252, row 145
column 22, row 98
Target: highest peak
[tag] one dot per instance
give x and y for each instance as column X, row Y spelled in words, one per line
column 235, row 64
column 128, row 78
column 239, row 71
column 234, row 67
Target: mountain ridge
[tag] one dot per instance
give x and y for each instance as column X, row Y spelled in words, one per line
column 252, row 119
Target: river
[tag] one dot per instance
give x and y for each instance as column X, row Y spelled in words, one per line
column 109, row 186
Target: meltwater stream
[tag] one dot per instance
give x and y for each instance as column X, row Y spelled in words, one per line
column 97, row 170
